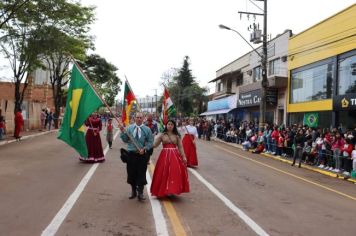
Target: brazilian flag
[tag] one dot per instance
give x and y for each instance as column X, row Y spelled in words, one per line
column 82, row 101
column 311, row 119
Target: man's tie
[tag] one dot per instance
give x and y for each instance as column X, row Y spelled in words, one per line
column 137, row 132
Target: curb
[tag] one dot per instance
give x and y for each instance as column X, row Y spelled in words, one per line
column 327, row 173
column 27, row 137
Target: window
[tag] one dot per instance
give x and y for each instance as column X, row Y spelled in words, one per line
column 312, row 82
column 239, row 79
column 274, row 66
column 347, row 75
column 220, row 86
column 257, row 74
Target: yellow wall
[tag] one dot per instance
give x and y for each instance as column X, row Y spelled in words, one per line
column 328, row 38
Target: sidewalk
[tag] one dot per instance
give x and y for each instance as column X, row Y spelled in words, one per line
column 24, row 135
column 289, row 161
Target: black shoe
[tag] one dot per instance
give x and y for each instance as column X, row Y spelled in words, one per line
column 133, row 195
column 133, row 192
column 141, row 197
column 292, row 164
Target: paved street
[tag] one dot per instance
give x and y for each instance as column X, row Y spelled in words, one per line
column 232, row 193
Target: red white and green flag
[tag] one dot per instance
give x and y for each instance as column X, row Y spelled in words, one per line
column 168, row 109
column 129, row 100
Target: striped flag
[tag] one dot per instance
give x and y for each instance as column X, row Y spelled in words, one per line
column 168, row 109
column 129, row 99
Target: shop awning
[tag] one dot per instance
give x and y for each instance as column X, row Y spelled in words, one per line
column 222, row 111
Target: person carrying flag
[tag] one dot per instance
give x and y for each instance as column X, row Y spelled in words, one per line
column 139, row 141
column 93, row 140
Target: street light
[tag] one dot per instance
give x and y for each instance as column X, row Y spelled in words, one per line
column 264, row 82
column 228, row 28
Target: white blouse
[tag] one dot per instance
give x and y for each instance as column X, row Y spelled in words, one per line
column 191, row 129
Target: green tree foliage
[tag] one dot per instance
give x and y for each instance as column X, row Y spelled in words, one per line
column 9, row 9
column 186, row 94
column 31, row 30
column 103, row 75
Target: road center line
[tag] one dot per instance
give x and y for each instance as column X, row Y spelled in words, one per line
column 171, row 212
column 290, row 174
column 53, row 227
column 252, row 224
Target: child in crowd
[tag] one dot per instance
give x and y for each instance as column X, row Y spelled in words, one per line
column 109, row 132
column 346, row 151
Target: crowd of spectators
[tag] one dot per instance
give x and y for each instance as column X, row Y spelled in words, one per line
column 329, row 149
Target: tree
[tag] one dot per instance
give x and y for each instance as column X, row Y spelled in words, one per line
column 185, row 92
column 103, row 75
column 9, row 8
column 32, row 33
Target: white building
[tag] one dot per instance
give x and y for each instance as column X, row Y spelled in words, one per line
column 148, row 104
column 240, row 80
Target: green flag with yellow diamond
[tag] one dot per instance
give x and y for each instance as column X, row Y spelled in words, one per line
column 311, row 119
column 82, row 101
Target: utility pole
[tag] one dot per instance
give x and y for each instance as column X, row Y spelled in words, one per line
column 264, row 82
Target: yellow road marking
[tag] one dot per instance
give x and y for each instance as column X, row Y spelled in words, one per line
column 171, row 212
column 290, row 174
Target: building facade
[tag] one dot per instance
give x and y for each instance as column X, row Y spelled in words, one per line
column 322, row 72
column 242, row 79
column 148, row 104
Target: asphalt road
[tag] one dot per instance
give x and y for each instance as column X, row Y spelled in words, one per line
column 232, row 193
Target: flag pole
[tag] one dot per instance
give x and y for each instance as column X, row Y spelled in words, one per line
column 104, row 102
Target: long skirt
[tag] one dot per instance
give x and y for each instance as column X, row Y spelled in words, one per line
column 190, row 150
column 170, row 175
column 95, row 150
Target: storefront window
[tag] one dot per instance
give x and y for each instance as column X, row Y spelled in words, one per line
column 324, row 119
column 312, row 83
column 347, row 119
column 347, row 75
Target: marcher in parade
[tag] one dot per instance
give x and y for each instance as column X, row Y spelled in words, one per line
column 150, row 123
column 93, row 140
column 19, row 122
column 189, row 146
column 110, row 132
column 170, row 176
column 137, row 162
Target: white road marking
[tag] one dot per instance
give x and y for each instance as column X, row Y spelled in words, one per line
column 253, row 225
column 160, row 222
column 53, row 227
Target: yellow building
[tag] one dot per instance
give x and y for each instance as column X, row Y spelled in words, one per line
column 322, row 72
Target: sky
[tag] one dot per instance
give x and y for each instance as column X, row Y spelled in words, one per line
column 145, row 39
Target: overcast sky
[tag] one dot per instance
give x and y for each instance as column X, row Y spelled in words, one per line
column 146, row 38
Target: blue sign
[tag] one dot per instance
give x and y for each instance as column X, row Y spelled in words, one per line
column 223, row 103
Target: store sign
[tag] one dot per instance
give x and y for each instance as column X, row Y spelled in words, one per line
column 249, row 99
column 345, row 102
column 253, row 98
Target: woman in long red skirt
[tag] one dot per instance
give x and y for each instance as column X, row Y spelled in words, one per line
column 190, row 149
column 93, row 140
column 170, row 176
